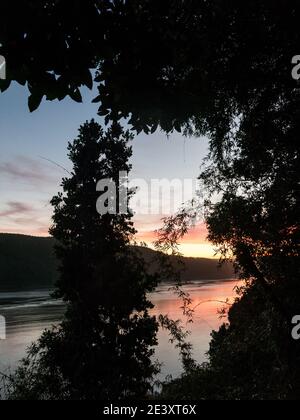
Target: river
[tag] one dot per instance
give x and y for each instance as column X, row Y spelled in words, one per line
column 27, row 314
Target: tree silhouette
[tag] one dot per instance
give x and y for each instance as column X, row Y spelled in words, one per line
column 103, row 348
column 223, row 69
column 192, row 60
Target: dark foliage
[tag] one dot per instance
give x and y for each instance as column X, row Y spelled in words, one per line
column 161, row 63
column 221, row 68
column 103, row 347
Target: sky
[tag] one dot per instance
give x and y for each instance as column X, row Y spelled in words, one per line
column 30, row 142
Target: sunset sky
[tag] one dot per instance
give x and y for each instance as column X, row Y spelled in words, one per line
column 28, row 180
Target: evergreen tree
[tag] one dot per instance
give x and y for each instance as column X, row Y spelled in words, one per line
column 103, row 348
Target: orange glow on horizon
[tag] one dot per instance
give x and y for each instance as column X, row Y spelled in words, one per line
column 40, row 232
column 194, row 244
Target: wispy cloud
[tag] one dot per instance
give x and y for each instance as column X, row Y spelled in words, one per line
column 33, row 171
column 14, row 208
column 28, row 219
column 26, row 187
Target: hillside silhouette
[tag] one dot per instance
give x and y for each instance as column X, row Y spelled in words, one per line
column 28, row 262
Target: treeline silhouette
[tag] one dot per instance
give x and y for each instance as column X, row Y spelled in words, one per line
column 201, row 67
column 28, row 262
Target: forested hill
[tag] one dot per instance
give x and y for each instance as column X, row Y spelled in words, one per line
column 29, row 263
column 26, row 262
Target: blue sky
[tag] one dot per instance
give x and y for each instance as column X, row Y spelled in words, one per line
column 27, row 181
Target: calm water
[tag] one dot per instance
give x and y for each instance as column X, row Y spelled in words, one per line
column 27, row 314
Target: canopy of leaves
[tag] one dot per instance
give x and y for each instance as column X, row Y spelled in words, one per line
column 161, row 63
column 215, row 67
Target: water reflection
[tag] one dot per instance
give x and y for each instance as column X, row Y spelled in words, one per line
column 28, row 314
column 208, row 300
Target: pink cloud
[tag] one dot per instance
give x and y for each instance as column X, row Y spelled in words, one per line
column 16, row 208
column 24, row 169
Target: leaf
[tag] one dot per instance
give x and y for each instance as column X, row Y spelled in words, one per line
column 87, row 79
column 34, row 101
column 76, row 95
column 97, row 99
column 4, row 85
column 177, row 126
column 154, row 128
column 103, row 112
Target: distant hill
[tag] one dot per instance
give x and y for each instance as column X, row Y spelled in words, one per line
column 28, row 263
column 200, row 269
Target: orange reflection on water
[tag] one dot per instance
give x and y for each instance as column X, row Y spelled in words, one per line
column 27, row 315
column 207, row 300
